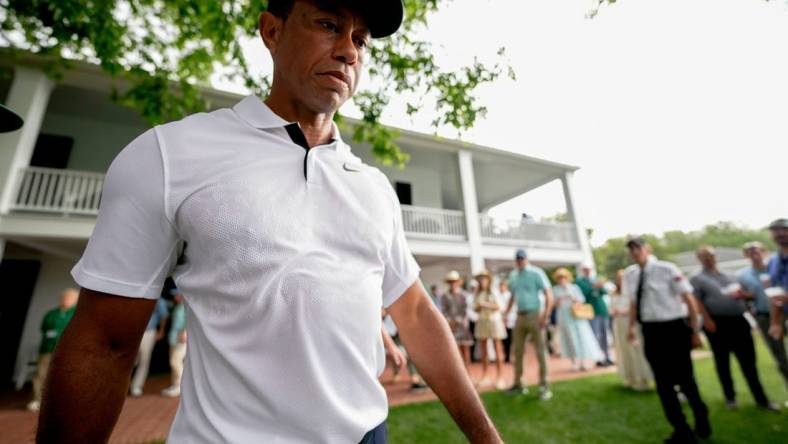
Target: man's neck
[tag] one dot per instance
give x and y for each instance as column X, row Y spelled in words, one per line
column 712, row 270
column 758, row 265
column 318, row 128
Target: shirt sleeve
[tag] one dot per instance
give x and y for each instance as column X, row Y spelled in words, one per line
column 161, row 306
column 134, row 246
column 678, row 281
column 400, row 269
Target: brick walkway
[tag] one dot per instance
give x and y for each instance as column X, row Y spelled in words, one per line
column 148, row 418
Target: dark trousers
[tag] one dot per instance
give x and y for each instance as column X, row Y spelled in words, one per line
column 776, row 346
column 378, row 435
column 472, row 328
column 667, row 346
column 733, row 335
column 599, row 326
column 507, row 343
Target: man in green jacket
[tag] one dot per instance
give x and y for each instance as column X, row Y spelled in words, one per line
column 594, row 291
column 52, row 327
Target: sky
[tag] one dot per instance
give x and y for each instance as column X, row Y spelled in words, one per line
column 676, row 111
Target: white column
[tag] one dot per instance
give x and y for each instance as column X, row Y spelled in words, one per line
column 471, row 207
column 28, row 97
column 574, row 217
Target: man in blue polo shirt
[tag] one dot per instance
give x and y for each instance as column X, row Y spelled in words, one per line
column 752, row 279
column 526, row 282
column 778, row 277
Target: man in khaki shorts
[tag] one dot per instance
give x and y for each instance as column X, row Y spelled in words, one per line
column 525, row 283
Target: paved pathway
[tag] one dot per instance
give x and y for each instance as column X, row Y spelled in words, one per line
column 148, row 418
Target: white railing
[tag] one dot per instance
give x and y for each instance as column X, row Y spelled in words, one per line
column 66, row 192
column 70, row 192
column 553, row 234
column 433, row 223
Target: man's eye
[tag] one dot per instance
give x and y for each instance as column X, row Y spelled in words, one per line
column 362, row 43
column 329, row 26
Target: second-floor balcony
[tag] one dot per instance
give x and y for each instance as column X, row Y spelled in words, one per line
column 71, row 193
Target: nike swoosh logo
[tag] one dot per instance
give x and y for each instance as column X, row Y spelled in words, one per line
column 350, row 167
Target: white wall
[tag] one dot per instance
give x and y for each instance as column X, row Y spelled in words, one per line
column 96, row 142
column 427, row 171
column 425, row 184
column 53, row 278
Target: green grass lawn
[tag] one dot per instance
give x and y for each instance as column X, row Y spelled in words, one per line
column 598, row 410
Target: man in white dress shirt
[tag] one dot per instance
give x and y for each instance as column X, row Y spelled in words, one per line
column 665, row 308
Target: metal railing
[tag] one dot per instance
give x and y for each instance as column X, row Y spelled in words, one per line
column 433, row 223
column 555, row 234
column 66, row 192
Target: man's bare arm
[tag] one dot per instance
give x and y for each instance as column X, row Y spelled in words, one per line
column 633, row 315
column 431, row 346
column 548, row 307
column 692, row 309
column 777, row 320
column 91, row 368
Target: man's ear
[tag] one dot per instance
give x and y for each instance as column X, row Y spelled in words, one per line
column 270, row 28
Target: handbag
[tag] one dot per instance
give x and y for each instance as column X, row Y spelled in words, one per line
column 582, row 311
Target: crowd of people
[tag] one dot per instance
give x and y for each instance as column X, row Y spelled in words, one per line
column 646, row 309
column 168, row 321
column 652, row 311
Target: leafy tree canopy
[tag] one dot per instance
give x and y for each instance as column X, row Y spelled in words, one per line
column 168, row 48
column 613, row 256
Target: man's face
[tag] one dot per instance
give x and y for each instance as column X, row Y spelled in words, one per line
column 318, row 54
column 586, row 271
column 756, row 255
column 68, row 299
column 780, row 236
column 639, row 253
column 520, row 261
column 707, row 258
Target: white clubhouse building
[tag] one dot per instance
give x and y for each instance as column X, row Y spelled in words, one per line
column 52, row 171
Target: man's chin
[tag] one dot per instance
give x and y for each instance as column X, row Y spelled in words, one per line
column 330, row 103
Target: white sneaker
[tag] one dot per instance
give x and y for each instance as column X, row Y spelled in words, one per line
column 135, row 392
column 545, row 394
column 171, row 392
column 33, row 406
column 501, row 384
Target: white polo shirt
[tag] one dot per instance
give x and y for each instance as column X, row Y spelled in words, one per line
column 285, row 258
column 662, row 290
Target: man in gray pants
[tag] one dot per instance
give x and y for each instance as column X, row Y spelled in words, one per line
column 751, row 279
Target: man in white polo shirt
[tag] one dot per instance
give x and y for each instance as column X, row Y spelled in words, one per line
column 285, row 246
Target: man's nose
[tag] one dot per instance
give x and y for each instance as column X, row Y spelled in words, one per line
column 345, row 49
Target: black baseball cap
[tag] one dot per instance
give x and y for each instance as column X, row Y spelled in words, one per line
column 779, row 223
column 9, row 120
column 383, row 17
column 636, row 242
